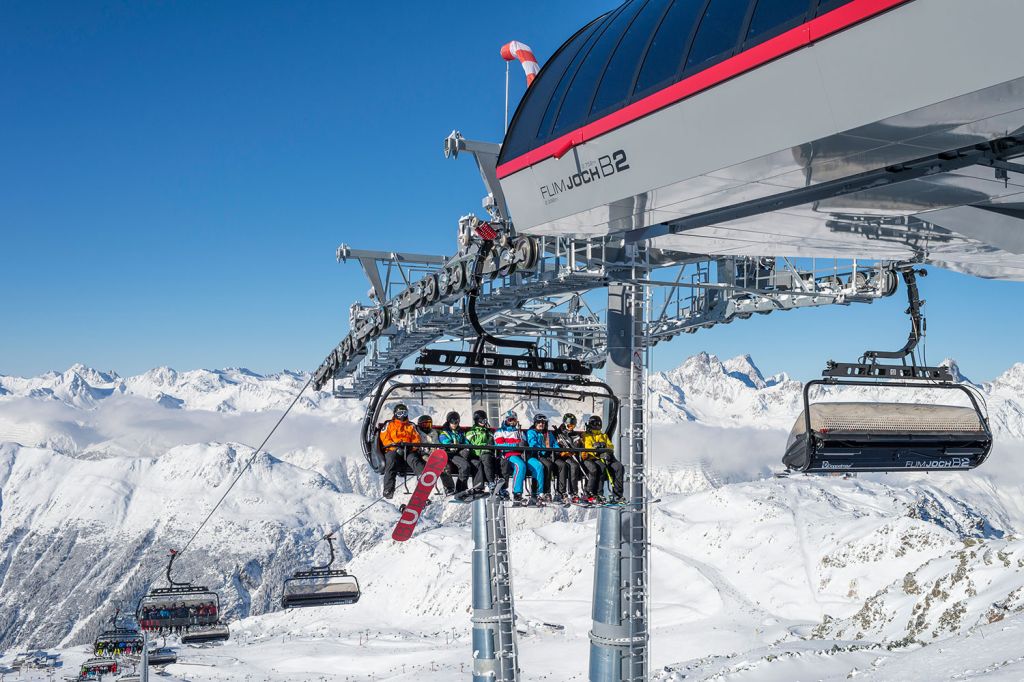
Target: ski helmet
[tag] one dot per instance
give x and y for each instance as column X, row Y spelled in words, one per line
column 480, row 418
column 594, row 423
column 568, row 419
column 453, row 418
column 425, row 421
column 511, row 418
column 541, row 419
column 401, row 411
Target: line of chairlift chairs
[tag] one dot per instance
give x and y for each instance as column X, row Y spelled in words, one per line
column 827, row 438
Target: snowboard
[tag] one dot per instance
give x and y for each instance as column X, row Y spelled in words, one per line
column 435, row 464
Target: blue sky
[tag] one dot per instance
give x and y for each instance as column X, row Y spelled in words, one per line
column 175, row 178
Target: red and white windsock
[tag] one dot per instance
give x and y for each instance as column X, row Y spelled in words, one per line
column 517, row 50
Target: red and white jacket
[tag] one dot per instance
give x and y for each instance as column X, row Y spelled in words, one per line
column 509, row 440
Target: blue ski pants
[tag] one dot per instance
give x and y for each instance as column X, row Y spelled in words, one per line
column 519, row 472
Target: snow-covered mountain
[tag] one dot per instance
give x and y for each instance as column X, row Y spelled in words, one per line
column 100, row 475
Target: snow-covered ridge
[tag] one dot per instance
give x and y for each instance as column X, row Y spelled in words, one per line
column 703, row 389
column 100, row 474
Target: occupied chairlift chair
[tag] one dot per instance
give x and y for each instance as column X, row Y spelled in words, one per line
column 117, row 636
column 321, row 585
column 97, row 668
column 454, row 373
column 851, row 437
column 199, row 628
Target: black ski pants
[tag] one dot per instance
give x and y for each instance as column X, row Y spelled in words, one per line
column 616, row 470
column 486, row 468
column 391, row 459
column 567, row 475
column 593, row 476
column 464, row 468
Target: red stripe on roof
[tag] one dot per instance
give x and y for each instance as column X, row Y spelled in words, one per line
column 821, row 27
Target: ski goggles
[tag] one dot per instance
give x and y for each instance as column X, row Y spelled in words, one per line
column 402, row 414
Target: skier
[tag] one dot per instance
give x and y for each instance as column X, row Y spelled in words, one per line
column 486, row 463
column 538, row 436
column 594, row 438
column 417, row 457
column 567, row 463
column 394, row 437
column 459, row 460
column 509, row 441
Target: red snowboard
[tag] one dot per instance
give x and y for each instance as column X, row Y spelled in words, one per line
column 436, row 463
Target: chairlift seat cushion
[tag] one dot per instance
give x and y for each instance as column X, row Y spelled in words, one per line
column 888, row 418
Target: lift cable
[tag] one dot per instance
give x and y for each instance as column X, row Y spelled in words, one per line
column 248, row 465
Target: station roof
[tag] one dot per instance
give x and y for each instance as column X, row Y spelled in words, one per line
column 637, row 49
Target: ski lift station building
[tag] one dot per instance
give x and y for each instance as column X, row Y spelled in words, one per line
column 821, row 128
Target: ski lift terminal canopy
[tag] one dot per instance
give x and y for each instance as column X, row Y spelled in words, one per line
column 782, row 128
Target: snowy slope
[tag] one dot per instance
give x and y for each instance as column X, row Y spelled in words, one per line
column 100, row 474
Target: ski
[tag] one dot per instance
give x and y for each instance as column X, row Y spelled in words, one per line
column 420, row 496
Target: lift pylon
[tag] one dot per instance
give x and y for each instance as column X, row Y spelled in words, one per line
column 495, row 651
column 619, row 636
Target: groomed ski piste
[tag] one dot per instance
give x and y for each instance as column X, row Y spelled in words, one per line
column 881, row 577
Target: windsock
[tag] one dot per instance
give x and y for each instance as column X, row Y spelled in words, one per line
column 517, row 50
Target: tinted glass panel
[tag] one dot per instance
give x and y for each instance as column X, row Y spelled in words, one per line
column 563, row 83
column 719, row 32
column 523, row 129
column 617, row 82
column 771, row 15
column 576, row 105
column 829, row 5
column 669, row 45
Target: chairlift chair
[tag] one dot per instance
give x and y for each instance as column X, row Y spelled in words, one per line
column 163, row 656
column 455, row 373
column 96, row 668
column 850, row 437
column 117, row 636
column 321, row 585
column 167, row 607
column 206, row 634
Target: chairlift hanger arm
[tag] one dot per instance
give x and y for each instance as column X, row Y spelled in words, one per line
column 917, row 323
column 483, row 337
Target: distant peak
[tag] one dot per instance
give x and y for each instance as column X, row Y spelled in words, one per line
column 742, row 367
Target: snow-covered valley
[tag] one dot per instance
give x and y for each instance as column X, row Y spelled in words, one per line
column 754, row 578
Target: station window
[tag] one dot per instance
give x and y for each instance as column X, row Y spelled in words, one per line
column 576, row 105
column 665, row 54
column 718, row 34
column 563, row 83
column 829, row 5
column 772, row 17
column 617, row 81
column 527, row 119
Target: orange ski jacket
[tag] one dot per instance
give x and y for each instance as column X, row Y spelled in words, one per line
column 397, row 431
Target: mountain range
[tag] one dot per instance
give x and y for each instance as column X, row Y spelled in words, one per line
column 101, row 474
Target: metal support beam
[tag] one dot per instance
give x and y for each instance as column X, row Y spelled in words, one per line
column 991, row 154
column 495, row 654
column 619, row 635
column 144, row 662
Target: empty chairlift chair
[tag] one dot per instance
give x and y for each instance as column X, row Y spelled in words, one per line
column 850, row 437
column 321, row 585
column 190, row 609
